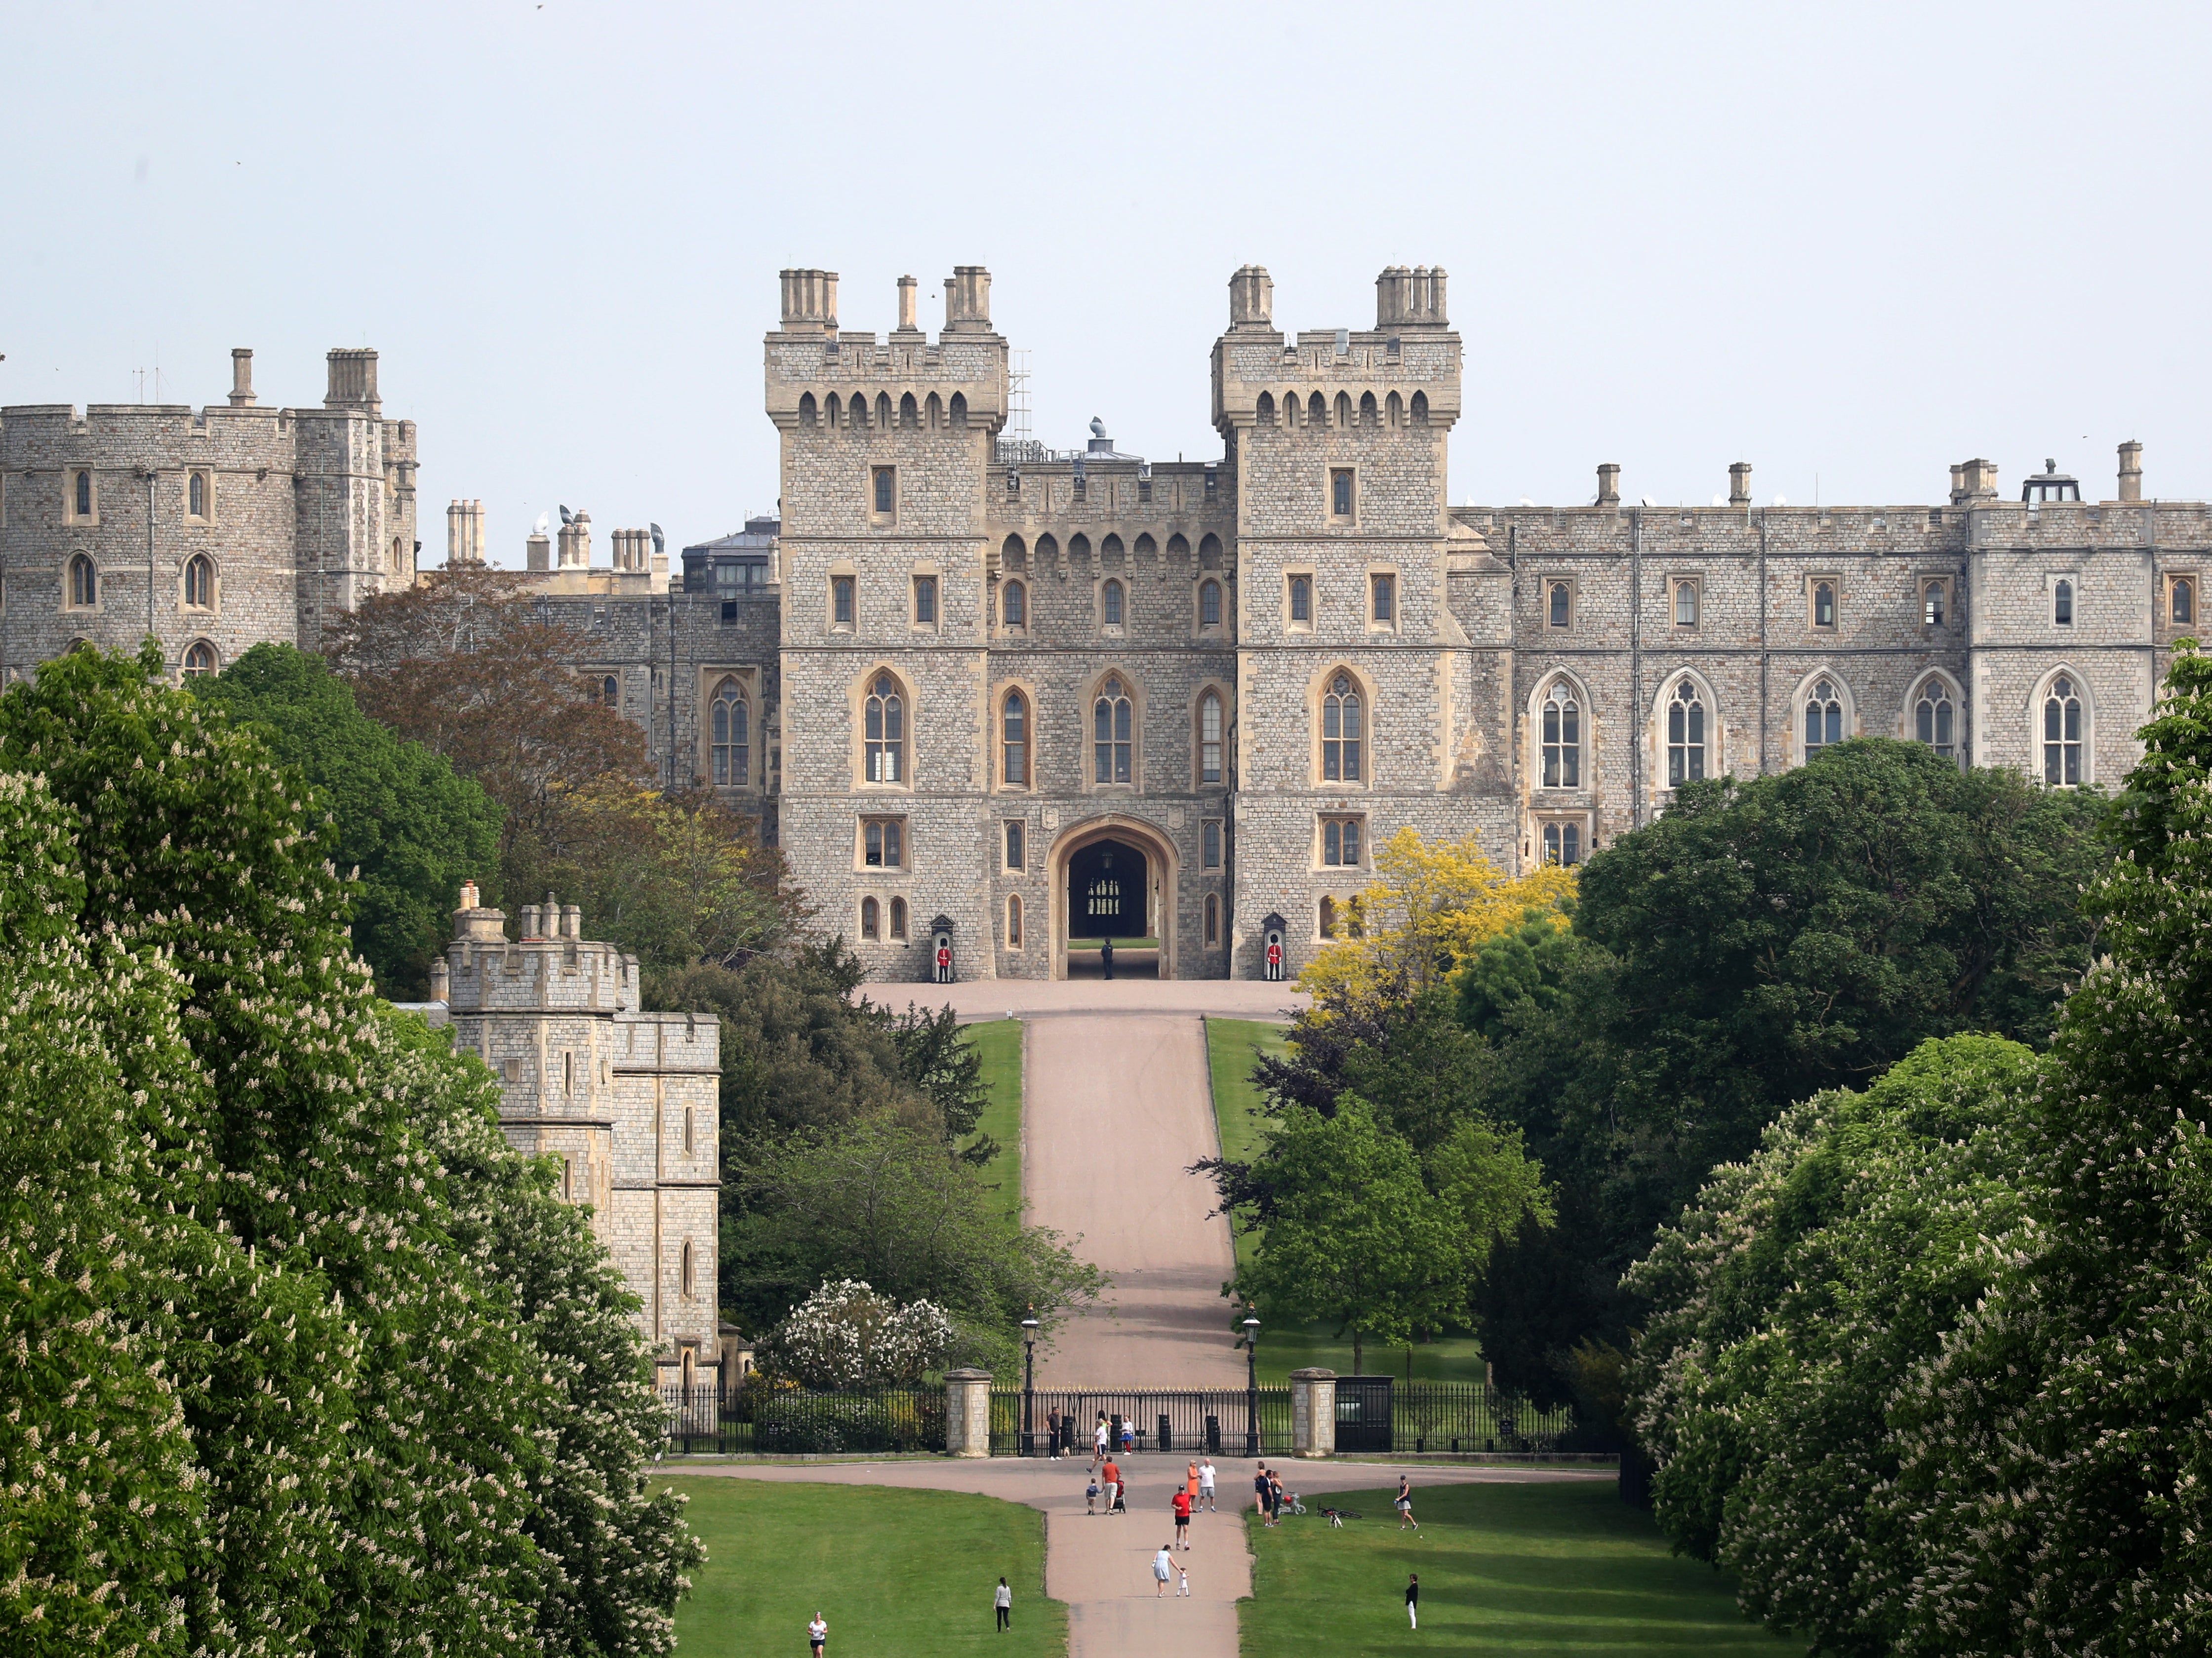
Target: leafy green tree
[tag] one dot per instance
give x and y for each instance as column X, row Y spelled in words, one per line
column 1354, row 1233
column 1789, row 1308
column 1761, row 942
column 890, row 1204
column 397, row 812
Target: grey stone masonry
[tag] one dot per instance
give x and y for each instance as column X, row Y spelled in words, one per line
column 1540, row 678
column 212, row 531
column 626, row 1100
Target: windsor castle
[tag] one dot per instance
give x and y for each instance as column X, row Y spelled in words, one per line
column 994, row 699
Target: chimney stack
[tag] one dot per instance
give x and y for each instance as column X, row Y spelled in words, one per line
column 464, row 533
column 537, row 551
column 1609, row 483
column 1973, row 480
column 2132, row 471
column 809, row 301
column 1739, row 484
column 353, row 380
column 968, row 300
column 907, row 324
column 241, row 378
column 1251, row 298
column 576, row 544
column 1410, row 299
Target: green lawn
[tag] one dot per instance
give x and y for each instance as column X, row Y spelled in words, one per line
column 1229, row 1047
column 891, row 1571
column 1560, row 1570
column 999, row 1042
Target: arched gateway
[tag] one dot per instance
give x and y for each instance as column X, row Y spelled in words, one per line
column 1113, row 878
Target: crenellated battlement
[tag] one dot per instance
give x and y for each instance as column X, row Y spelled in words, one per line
column 904, row 381
column 1400, row 375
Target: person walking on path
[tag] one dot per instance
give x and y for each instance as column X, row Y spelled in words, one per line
column 1413, row 1600
column 1091, row 1496
column 1004, row 1601
column 1106, row 955
column 1109, row 1482
column 1128, row 1435
column 1182, row 1506
column 1182, row 1581
column 1098, row 1441
column 1205, row 1483
column 1162, row 1569
column 817, row 1633
column 1052, row 1431
column 1405, row 1505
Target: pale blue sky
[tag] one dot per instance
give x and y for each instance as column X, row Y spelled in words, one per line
column 1849, row 244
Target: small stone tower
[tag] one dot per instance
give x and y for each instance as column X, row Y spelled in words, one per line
column 625, row 1100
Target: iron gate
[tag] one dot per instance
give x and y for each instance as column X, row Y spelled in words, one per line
column 1363, row 1413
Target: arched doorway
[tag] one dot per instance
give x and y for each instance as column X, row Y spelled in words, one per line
column 1114, row 879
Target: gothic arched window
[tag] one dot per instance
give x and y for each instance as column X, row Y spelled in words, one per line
column 1685, row 735
column 2062, row 732
column 1301, row 599
column 1014, row 729
column 83, row 582
column 2185, row 600
column 196, row 496
column 1562, row 605
column 898, row 918
column 885, row 719
column 199, row 660
column 1013, row 605
column 1209, row 737
column 1563, row 844
column 84, row 495
column 1014, row 921
column 1110, row 604
column 1824, row 603
column 1824, row 717
column 1934, row 720
column 1563, row 737
column 733, row 732
column 869, row 915
column 199, row 583
column 1209, row 604
column 1109, row 731
column 1340, row 731
column 1932, row 604
column 2062, row 604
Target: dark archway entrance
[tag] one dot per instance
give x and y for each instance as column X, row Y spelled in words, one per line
column 1110, row 897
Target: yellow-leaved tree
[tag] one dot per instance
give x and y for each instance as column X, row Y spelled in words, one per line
column 1431, row 905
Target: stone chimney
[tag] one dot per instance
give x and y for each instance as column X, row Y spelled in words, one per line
column 530, row 921
column 1973, row 480
column 576, row 544
column 1252, row 298
column 464, row 533
column 906, row 313
column 1609, row 483
column 1410, row 299
column 572, row 920
column 809, row 301
column 1739, row 484
column 353, row 380
column 2132, row 471
column 441, row 981
column 537, row 551
column 472, row 919
column 968, row 300
column 242, row 376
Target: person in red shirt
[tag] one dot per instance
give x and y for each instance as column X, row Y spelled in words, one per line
column 1182, row 1517
column 1109, row 1482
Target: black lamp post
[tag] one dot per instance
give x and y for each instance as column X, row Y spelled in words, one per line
column 1029, row 1385
column 1251, row 1385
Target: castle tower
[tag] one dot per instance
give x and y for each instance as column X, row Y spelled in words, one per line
column 885, row 450
column 1356, row 594
column 626, row 1100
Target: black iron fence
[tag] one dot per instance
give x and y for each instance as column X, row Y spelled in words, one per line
column 1376, row 1415
column 796, row 1422
column 1177, row 1421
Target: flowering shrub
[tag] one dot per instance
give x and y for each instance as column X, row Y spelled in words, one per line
column 846, row 1335
column 301, row 1358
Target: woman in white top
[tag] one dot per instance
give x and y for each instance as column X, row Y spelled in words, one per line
column 1003, row 1599
column 817, row 1633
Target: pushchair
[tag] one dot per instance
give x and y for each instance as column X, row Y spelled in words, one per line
column 1120, row 1498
